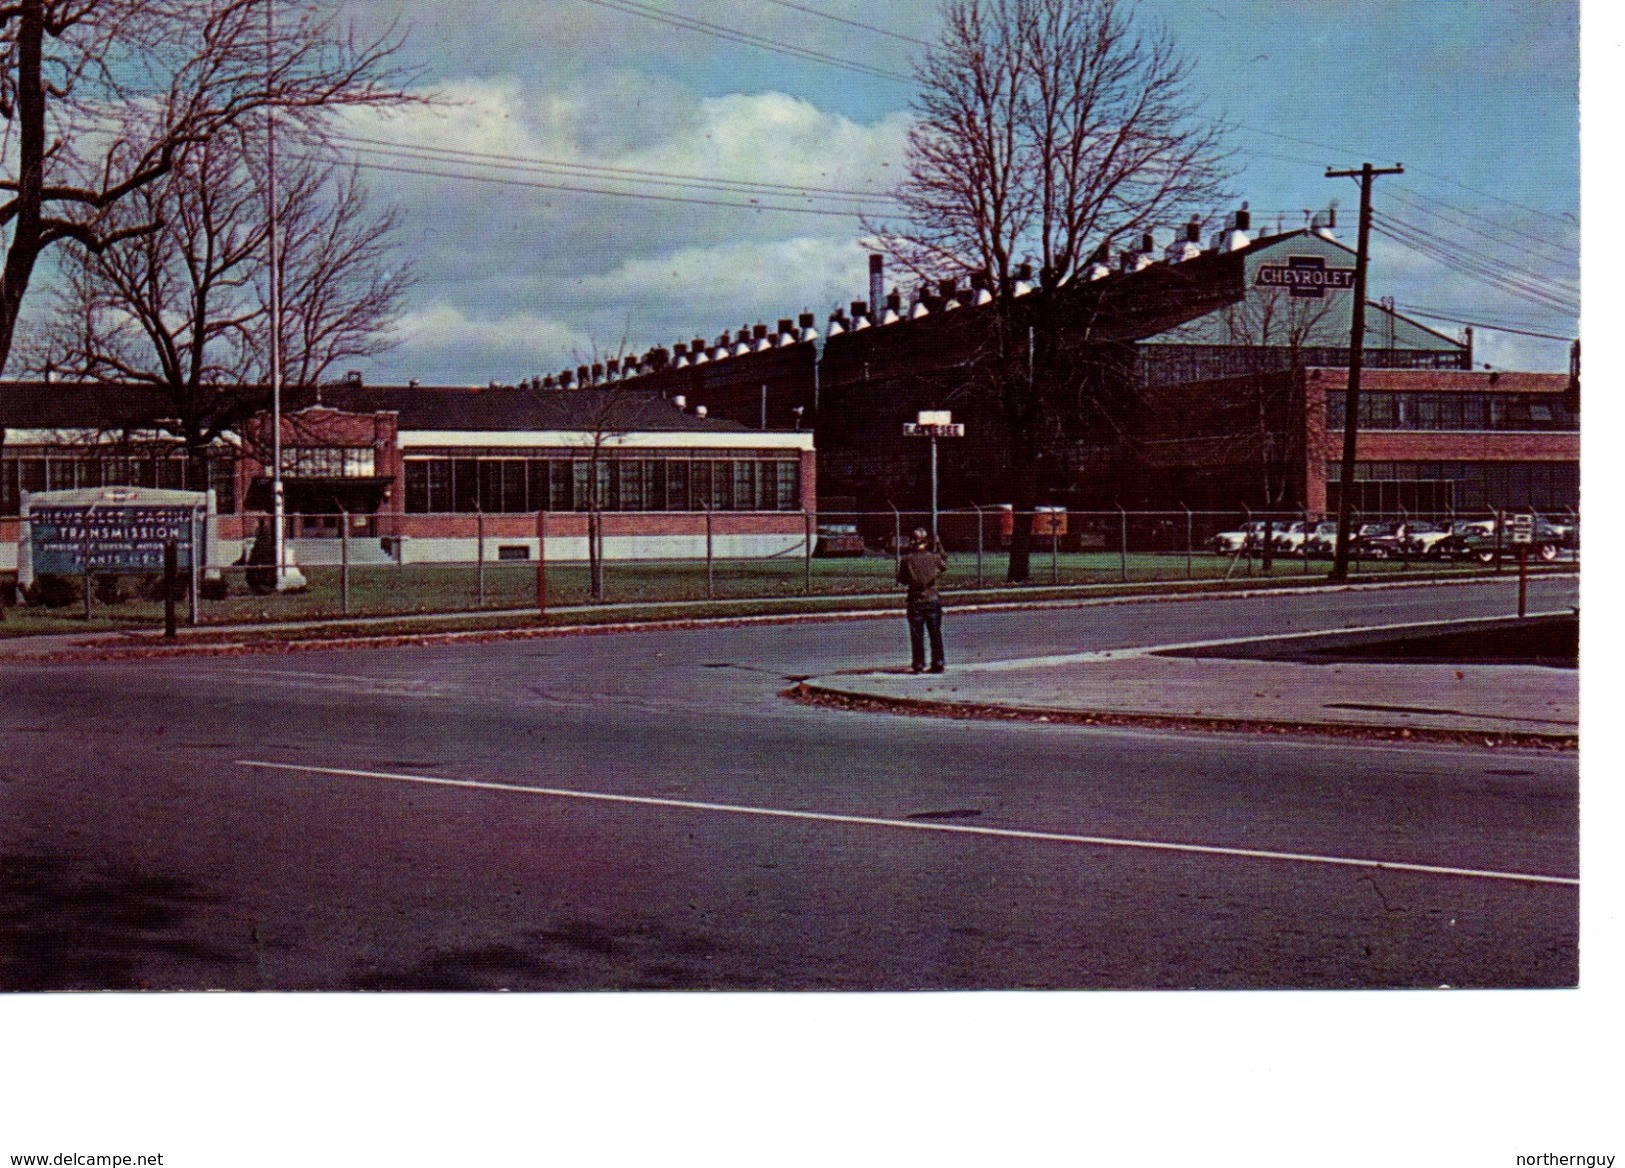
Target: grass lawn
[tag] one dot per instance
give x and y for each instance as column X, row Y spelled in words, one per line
column 380, row 590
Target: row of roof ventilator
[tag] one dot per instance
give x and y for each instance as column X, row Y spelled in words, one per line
column 682, row 355
column 1186, row 245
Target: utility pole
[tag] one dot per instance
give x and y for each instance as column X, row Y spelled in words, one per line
column 1351, row 410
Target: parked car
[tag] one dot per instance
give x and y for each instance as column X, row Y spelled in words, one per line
column 1322, row 541
column 1290, row 538
column 1248, row 537
column 1376, row 541
column 838, row 539
column 1418, row 537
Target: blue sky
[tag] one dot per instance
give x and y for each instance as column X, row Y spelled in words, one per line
column 1478, row 99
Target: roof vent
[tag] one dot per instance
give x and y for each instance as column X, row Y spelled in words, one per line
column 352, row 377
column 1024, row 280
column 697, row 348
column 680, row 401
column 838, row 323
column 1188, row 247
column 699, row 411
column 412, row 383
column 1324, row 223
column 807, row 323
column 1234, row 237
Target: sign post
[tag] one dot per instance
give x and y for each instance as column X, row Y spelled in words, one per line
column 934, row 424
column 1523, row 534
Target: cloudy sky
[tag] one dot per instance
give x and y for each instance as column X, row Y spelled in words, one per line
column 608, row 174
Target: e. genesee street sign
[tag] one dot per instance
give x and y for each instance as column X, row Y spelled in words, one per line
column 108, row 538
column 1306, row 276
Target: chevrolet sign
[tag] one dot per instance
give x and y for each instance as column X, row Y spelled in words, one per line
column 1306, row 276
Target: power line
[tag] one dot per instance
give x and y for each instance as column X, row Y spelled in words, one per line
column 693, row 24
column 1551, row 253
column 545, row 186
column 852, row 23
column 1497, row 328
column 618, row 173
column 1480, row 257
column 1484, row 274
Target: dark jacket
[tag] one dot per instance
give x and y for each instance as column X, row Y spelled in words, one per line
column 920, row 569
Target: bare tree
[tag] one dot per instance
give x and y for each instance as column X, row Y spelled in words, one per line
column 101, row 98
column 1045, row 127
column 184, row 308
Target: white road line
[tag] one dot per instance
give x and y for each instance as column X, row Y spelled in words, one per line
column 913, row 825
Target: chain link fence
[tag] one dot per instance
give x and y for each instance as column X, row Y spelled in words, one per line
column 383, row 565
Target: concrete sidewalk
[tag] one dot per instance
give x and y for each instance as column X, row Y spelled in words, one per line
column 1498, row 702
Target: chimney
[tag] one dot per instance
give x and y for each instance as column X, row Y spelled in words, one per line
column 838, row 323
column 894, row 308
column 877, row 280
column 697, row 348
column 860, row 315
column 1024, row 280
column 786, row 334
column 680, row 355
column 759, row 338
column 807, row 323
column 742, row 342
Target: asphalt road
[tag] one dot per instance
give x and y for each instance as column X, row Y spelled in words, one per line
column 642, row 811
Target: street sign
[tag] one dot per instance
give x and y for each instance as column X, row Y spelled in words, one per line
column 1523, row 529
column 1306, row 276
column 917, row 430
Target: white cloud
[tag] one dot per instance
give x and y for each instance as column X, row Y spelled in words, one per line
column 622, row 269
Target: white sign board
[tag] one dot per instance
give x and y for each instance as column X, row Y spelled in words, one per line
column 918, row 430
column 1523, row 529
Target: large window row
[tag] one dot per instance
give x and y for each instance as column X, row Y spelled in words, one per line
column 1456, row 411
column 1175, row 364
column 66, row 472
column 623, row 484
column 1548, row 487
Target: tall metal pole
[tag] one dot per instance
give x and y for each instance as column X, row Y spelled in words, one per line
column 278, row 500
column 933, row 487
column 1351, row 410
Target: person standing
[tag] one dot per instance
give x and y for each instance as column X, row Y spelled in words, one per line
column 920, row 569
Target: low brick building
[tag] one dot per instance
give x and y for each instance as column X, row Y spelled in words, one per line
column 440, row 474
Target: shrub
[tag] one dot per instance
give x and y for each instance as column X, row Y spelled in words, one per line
column 111, row 590
column 213, row 588
column 261, row 577
column 53, row 591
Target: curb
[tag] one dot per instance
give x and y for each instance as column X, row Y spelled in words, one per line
column 827, row 697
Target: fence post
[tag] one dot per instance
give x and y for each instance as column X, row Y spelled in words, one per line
column 1054, row 548
column 89, row 579
column 170, row 573
column 1190, row 548
column 541, row 563
column 191, row 582
column 479, row 555
column 807, row 550
column 1303, row 548
column 979, row 538
column 709, row 582
column 897, row 535
column 1123, row 546
column 1500, row 526
column 344, row 561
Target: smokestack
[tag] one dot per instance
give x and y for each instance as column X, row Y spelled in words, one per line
column 1324, row 224
column 877, row 281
